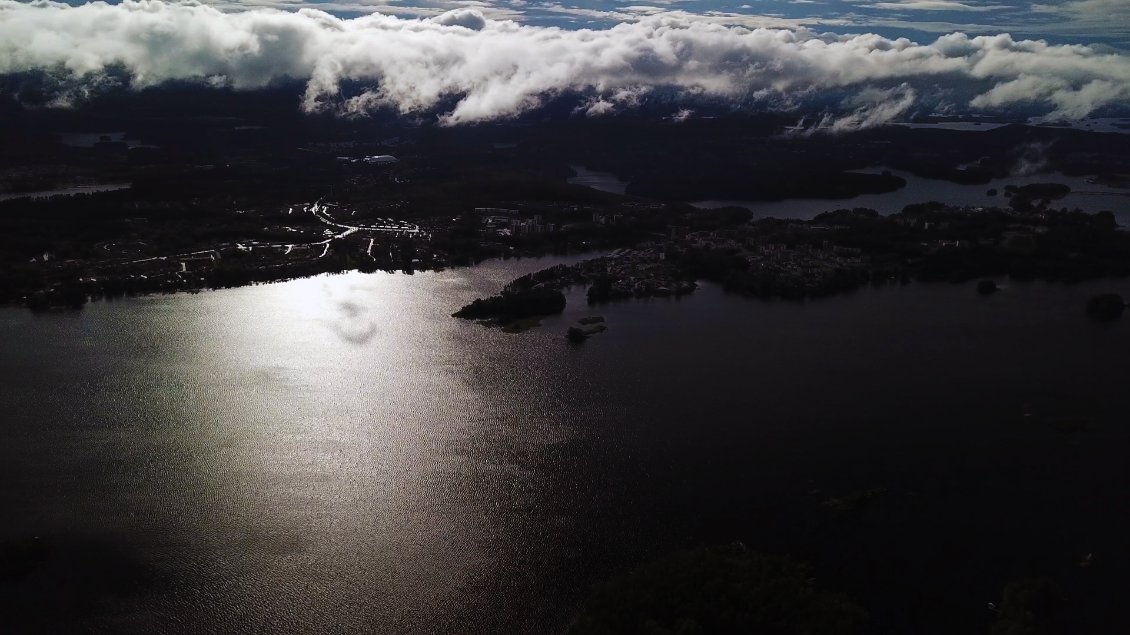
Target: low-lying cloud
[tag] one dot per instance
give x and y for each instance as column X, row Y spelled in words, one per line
column 868, row 108
column 492, row 69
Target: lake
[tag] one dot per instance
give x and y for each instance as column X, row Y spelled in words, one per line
column 1117, row 125
column 1089, row 197
column 66, row 191
column 90, row 139
column 963, row 126
column 338, row 454
column 602, row 181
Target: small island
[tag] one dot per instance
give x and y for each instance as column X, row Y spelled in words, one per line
column 585, row 328
column 514, row 304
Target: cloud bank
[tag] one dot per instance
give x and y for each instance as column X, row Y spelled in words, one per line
column 489, row 68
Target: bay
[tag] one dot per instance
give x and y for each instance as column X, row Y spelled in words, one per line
column 338, row 454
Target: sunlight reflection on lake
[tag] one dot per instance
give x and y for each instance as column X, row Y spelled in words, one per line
column 338, row 454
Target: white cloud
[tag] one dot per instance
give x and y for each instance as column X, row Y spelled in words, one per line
column 1108, row 10
column 1088, row 16
column 466, row 18
column 1070, row 102
column 682, row 115
column 1095, row 20
column 869, row 108
column 933, row 5
column 601, row 105
column 498, row 68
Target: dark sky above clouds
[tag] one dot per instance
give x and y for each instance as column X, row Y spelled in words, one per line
column 875, row 60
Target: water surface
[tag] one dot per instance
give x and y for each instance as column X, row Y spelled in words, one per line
column 337, row 454
column 66, row 191
column 90, row 139
column 602, row 181
column 1089, row 197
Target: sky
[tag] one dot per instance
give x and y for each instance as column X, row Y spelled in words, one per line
column 854, row 63
column 1058, row 21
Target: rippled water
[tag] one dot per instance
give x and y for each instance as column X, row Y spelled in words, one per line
column 337, row 454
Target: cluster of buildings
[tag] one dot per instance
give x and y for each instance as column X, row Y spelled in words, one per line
column 603, row 219
column 510, row 222
column 376, row 159
column 642, row 271
column 805, row 266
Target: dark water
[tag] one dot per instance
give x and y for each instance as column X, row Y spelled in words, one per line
column 339, row 455
column 1089, row 197
column 90, row 139
column 66, row 191
column 602, row 181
